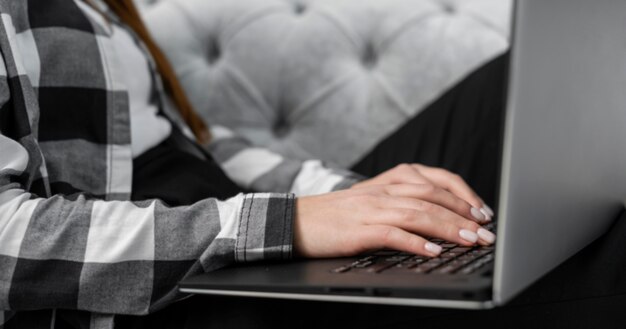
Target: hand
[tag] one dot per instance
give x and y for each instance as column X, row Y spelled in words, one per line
column 420, row 174
column 395, row 216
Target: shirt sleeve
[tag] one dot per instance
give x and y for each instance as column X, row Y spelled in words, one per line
column 76, row 252
column 260, row 169
column 123, row 257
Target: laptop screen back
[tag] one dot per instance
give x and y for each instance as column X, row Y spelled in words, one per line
column 564, row 158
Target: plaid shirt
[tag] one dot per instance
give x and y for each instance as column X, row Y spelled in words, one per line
column 69, row 236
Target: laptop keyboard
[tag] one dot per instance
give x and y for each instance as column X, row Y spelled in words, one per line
column 454, row 259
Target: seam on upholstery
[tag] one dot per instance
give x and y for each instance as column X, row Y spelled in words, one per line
column 249, row 90
column 387, row 40
column 247, row 19
column 282, row 53
column 348, row 32
column 230, row 31
column 333, row 86
column 486, row 23
column 391, row 94
column 188, row 19
column 336, row 20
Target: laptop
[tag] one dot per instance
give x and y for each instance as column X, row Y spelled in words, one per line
column 562, row 179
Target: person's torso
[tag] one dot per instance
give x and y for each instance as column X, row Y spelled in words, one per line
column 74, row 86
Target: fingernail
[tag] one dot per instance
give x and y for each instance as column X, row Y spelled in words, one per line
column 477, row 214
column 486, row 214
column 468, row 235
column 434, row 248
column 486, row 235
column 488, row 210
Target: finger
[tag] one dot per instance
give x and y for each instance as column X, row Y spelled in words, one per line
column 406, row 173
column 455, row 184
column 427, row 219
column 404, row 193
column 402, row 173
column 485, row 237
column 381, row 236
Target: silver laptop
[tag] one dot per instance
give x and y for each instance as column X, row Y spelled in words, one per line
column 562, row 182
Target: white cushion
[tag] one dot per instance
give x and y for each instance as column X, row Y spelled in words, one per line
column 324, row 79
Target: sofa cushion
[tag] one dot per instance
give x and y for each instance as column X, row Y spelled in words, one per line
column 324, row 79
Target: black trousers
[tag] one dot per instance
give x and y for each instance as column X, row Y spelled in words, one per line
column 461, row 132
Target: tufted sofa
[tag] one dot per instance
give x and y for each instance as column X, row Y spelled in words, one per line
column 324, row 79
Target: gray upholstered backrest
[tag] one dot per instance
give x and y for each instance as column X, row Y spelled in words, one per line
column 327, row 78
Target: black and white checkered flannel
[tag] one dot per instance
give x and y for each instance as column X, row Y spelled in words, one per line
column 69, row 237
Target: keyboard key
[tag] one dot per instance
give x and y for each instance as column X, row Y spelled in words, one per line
column 455, row 259
column 457, row 263
column 449, row 255
column 397, row 258
column 379, row 267
column 381, row 264
column 447, row 269
column 467, row 270
column 341, row 269
column 406, row 265
column 429, row 265
column 467, row 257
column 416, row 260
column 363, row 264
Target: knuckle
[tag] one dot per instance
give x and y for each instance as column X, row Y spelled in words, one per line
column 386, row 235
column 429, row 188
column 472, row 226
column 424, row 206
column 462, row 203
column 453, row 176
column 434, row 210
column 403, row 167
column 440, row 171
column 451, row 231
column 416, row 243
column 445, row 171
column 429, row 221
column 407, row 215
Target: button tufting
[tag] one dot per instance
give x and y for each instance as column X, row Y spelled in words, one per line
column 299, row 8
column 281, row 127
column 335, row 60
column 214, row 52
column 370, row 56
column 448, row 8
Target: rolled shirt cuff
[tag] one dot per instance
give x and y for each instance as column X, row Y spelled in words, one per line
column 265, row 228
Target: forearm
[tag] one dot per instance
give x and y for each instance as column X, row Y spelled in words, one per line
column 259, row 169
column 122, row 257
